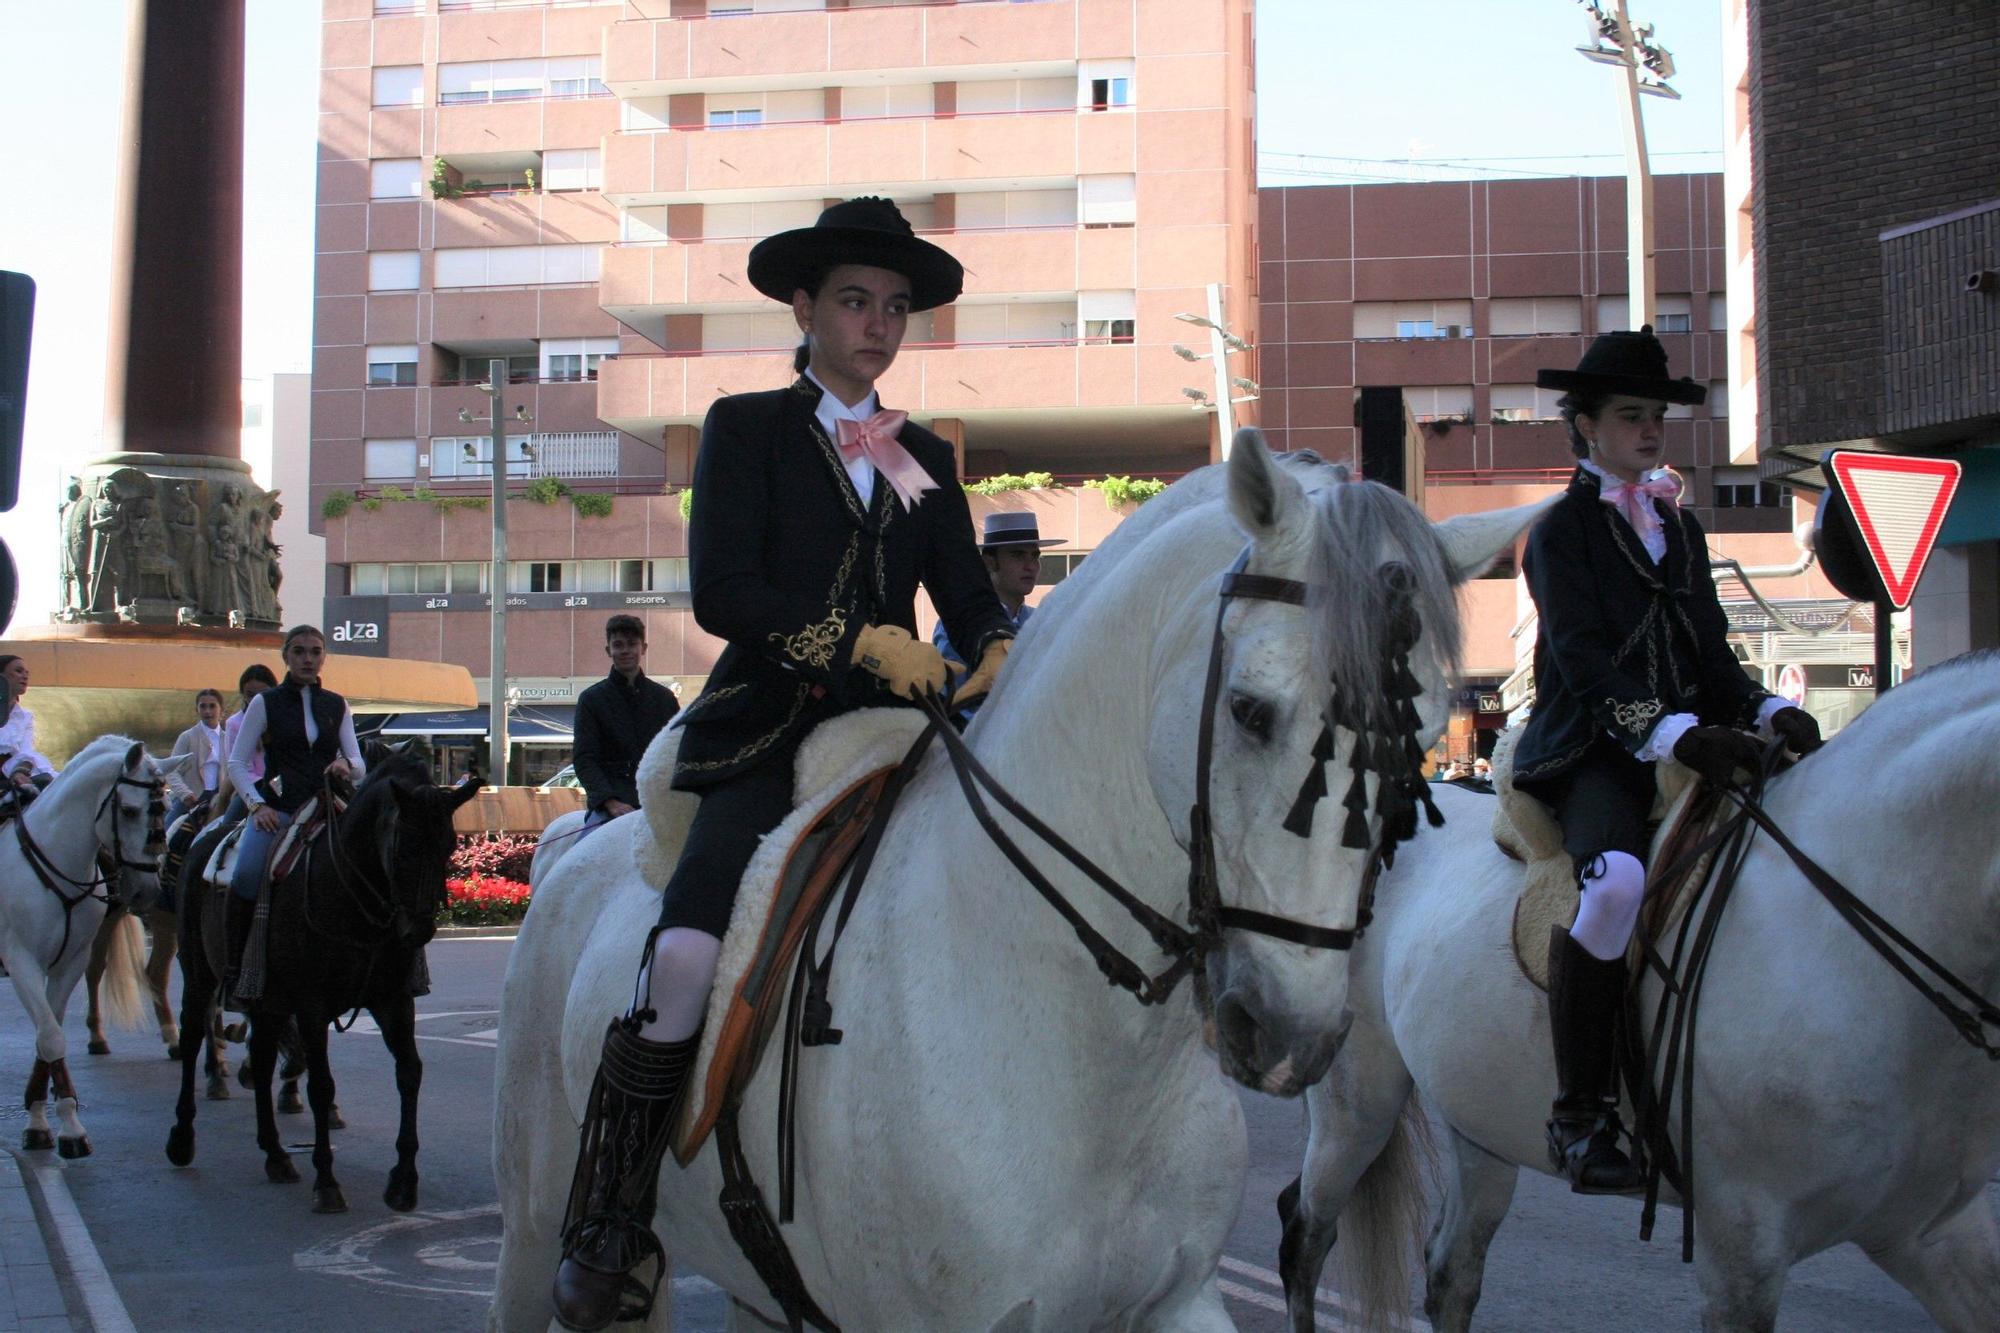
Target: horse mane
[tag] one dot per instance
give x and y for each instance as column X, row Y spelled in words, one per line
column 394, row 769
column 1963, row 690
column 99, row 748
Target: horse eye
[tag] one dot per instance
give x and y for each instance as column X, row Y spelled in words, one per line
column 1253, row 715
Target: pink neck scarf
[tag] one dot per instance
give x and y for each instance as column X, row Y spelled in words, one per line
column 1634, row 500
column 875, row 440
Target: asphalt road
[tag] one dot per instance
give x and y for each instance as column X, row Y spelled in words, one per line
column 215, row 1247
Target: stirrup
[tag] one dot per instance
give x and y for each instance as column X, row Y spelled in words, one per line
column 1583, row 1149
column 610, row 1246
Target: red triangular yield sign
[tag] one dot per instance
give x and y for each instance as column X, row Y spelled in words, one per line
column 1899, row 504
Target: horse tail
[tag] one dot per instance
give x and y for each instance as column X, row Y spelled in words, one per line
column 124, row 990
column 1382, row 1229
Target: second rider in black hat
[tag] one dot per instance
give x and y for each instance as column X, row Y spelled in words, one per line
column 816, row 515
column 1632, row 665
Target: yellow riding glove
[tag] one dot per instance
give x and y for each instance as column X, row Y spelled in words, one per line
column 980, row 682
column 909, row 667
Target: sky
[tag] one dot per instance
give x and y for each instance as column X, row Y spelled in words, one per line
column 1348, row 91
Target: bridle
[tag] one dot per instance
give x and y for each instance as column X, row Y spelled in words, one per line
column 106, row 885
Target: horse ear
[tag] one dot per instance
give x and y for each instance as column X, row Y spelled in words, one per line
column 1472, row 542
column 464, row 791
column 135, row 756
column 1264, row 501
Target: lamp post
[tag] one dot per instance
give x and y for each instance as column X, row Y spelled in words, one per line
column 1221, row 343
column 496, row 708
column 1646, row 66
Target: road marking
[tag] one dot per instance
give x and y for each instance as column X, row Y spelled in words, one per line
column 485, row 1038
column 86, row 1266
column 1322, row 1296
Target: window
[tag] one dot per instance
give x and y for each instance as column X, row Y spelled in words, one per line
column 573, row 169
column 545, row 576
column 575, row 358
column 392, row 366
column 999, row 97
column 750, row 332
column 1412, row 319
column 468, row 576
column 1526, row 316
column 671, row 574
column 1524, row 402
column 471, row 456
column 388, row 460
column 760, row 219
column 492, row 81
column 1108, row 200
column 432, row 578
column 994, row 210
column 739, row 118
column 635, row 576
column 1718, row 312
column 393, row 271
column 888, row 100
column 1670, row 313
column 395, row 178
column 1718, row 398
column 366, row 580
column 575, row 76
column 399, row 85
column 1057, row 566
column 1449, row 402
column 1108, row 315
column 1742, row 488
column 1105, row 85
column 400, row 578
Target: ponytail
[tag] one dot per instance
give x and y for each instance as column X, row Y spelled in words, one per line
column 802, row 357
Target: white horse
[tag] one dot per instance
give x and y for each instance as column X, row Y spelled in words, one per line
column 1831, row 1102
column 93, row 838
column 1003, row 1141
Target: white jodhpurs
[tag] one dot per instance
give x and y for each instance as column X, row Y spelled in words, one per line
column 1613, row 885
column 677, row 981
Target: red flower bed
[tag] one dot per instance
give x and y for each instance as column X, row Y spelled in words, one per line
column 483, row 900
column 496, row 855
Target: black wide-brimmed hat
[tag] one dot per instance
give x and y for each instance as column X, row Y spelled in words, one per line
column 1013, row 529
column 868, row 230
column 1634, row 364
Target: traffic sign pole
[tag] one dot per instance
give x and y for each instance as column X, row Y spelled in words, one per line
column 1885, row 645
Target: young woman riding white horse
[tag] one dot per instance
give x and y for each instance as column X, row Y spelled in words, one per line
column 1001, row 1140
column 92, row 839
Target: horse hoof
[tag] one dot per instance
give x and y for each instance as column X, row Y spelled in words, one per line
column 98, row 1046
column 333, row 1119
column 37, row 1140
column 218, row 1089
column 71, row 1149
column 329, row 1199
column 289, row 1101
column 401, row 1196
column 280, row 1171
column 180, row 1145
column 242, row 1074
column 236, row 1032
column 174, row 1051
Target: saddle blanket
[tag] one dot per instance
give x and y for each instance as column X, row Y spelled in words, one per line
column 1526, row 830
column 842, row 769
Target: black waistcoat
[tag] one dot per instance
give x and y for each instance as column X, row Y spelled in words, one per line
column 294, row 768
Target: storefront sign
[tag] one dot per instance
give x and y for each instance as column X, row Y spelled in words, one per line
column 538, row 601
column 358, row 626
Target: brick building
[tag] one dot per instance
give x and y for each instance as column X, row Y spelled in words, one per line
column 1875, row 207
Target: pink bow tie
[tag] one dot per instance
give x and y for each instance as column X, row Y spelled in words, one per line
column 1632, row 499
column 875, row 440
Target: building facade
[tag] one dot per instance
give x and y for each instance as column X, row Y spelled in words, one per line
column 1875, row 234
column 1386, row 307
column 574, row 188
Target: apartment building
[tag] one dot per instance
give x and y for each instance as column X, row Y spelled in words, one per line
column 1434, row 305
column 573, row 188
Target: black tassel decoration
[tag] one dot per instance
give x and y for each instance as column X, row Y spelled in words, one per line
column 1313, row 790
column 1355, row 834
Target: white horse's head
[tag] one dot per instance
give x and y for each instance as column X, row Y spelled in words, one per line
column 1322, row 710
column 121, row 791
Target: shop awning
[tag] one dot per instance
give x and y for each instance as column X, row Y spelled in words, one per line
column 527, row 724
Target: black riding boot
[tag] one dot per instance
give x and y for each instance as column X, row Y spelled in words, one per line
column 242, row 911
column 607, row 1231
column 1586, row 996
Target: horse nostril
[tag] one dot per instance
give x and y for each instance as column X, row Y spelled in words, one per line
column 1237, row 1026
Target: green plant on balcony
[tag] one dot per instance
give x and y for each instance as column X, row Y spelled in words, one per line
column 336, row 504
column 1013, row 481
column 687, row 504
column 441, row 186
column 529, row 175
column 544, row 491
column 1121, row 491
column 591, row 504
column 445, row 504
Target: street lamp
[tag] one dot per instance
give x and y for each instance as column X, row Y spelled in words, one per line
column 1221, row 345
column 496, row 581
column 1616, row 40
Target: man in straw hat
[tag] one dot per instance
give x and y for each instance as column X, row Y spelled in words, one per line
column 817, row 511
column 1011, row 545
column 1632, row 666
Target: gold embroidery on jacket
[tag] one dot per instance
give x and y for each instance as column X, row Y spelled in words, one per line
column 814, row 645
column 756, row 747
column 1637, row 715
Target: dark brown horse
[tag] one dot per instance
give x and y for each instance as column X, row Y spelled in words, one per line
column 346, row 924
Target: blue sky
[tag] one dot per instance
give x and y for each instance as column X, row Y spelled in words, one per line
column 1470, row 87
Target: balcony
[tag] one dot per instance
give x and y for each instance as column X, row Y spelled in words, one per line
column 642, row 283
column 808, row 159
column 642, row 394
column 653, row 58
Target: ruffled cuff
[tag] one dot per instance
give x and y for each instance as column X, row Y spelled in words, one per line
column 1666, row 734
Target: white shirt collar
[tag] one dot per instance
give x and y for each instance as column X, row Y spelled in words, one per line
column 1602, row 476
column 831, row 410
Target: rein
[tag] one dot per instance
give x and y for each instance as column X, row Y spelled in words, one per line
column 1683, row 975
column 48, row 872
